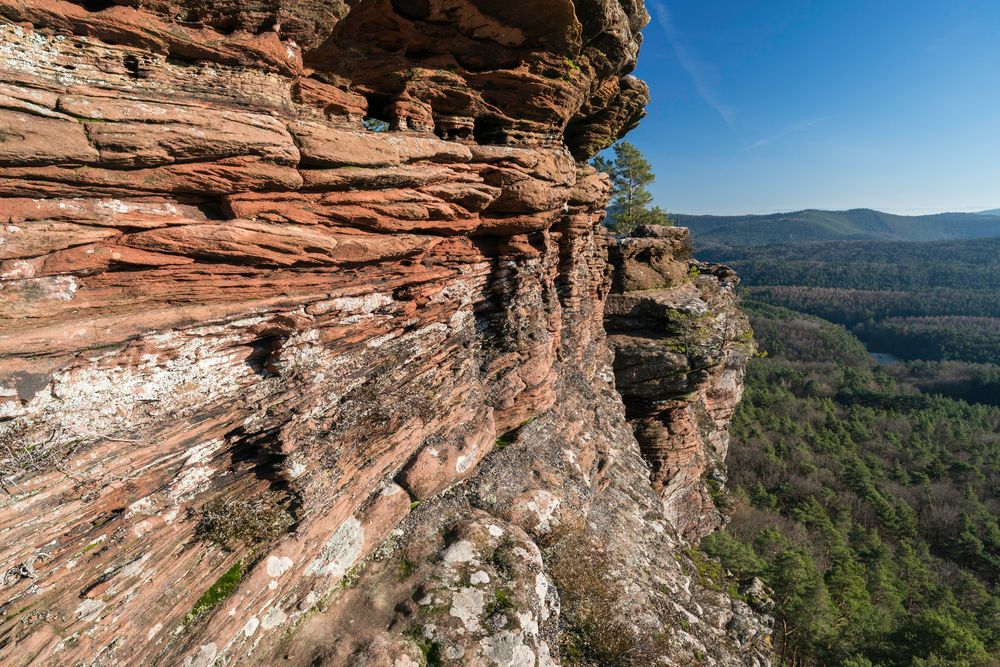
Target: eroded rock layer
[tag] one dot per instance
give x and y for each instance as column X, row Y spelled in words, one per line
column 244, row 336
column 681, row 347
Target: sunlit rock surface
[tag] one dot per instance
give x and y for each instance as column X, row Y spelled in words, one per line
column 246, row 339
column 681, row 347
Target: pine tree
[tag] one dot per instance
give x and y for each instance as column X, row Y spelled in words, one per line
column 630, row 174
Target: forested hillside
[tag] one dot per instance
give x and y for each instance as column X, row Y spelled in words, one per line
column 933, row 301
column 857, row 224
column 867, row 496
column 885, row 265
column 869, row 507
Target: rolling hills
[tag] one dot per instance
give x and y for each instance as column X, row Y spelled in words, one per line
column 853, row 225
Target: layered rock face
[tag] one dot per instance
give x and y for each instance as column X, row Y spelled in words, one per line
column 277, row 387
column 681, row 347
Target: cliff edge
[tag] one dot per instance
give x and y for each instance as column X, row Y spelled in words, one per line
column 303, row 359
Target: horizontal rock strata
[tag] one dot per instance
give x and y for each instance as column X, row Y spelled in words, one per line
column 275, row 275
column 681, row 347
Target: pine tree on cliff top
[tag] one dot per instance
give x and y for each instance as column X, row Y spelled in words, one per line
column 630, row 173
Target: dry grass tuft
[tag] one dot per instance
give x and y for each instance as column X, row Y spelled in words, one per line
column 246, row 522
column 595, row 628
column 18, row 457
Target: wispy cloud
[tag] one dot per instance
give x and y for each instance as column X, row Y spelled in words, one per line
column 799, row 127
column 703, row 74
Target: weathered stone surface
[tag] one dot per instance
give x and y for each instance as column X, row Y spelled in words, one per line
column 27, row 139
column 130, row 133
column 681, row 347
column 243, row 337
column 325, row 146
column 465, row 577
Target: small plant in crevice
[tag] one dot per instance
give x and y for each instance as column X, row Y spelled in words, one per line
column 718, row 494
column 572, row 69
column 500, row 557
column 501, row 602
column 404, row 568
column 429, row 648
column 505, row 440
column 224, row 587
column 18, row 457
column 509, row 437
column 711, row 574
column 235, row 523
column 352, row 576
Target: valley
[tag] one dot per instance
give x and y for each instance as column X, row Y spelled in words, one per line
column 865, row 462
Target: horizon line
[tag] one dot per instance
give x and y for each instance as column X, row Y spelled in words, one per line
column 905, row 212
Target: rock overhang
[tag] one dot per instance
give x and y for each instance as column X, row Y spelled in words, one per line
column 225, row 296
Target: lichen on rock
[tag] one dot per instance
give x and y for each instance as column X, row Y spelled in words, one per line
column 681, row 347
column 276, row 387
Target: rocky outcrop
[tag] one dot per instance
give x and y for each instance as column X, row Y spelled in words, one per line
column 247, row 339
column 681, row 347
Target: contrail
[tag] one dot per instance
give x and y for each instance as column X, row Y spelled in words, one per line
column 701, row 73
column 791, row 130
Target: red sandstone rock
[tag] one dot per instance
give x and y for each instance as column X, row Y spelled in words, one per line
column 27, row 139
column 681, row 348
column 331, row 100
column 144, row 134
column 243, row 336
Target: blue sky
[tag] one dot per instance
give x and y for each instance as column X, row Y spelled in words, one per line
column 777, row 105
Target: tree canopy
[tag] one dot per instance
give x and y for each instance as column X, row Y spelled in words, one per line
column 630, row 174
column 869, row 507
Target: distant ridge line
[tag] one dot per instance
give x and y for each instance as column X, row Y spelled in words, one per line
column 850, row 225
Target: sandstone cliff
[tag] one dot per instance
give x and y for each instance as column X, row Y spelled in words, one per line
column 681, row 348
column 282, row 384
